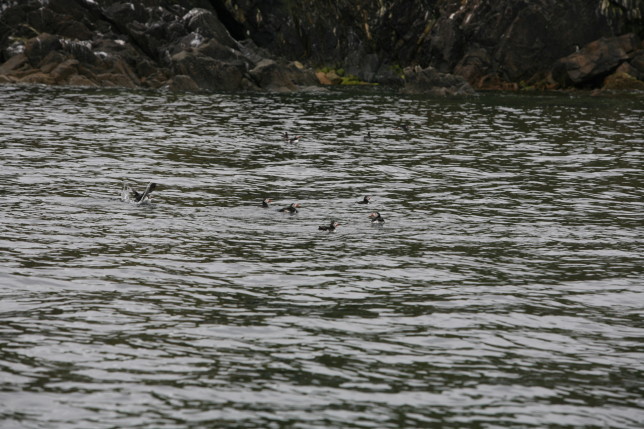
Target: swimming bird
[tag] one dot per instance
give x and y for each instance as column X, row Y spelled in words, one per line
column 404, row 127
column 365, row 200
column 331, row 227
column 367, row 138
column 266, row 202
column 290, row 208
column 129, row 194
column 289, row 139
column 376, row 218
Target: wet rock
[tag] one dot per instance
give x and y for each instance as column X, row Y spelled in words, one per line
column 38, row 78
column 14, row 63
column 218, row 43
column 181, row 83
column 207, row 25
column 273, row 76
column 431, row 82
column 637, row 62
column 39, row 47
column 622, row 81
column 322, row 78
column 513, row 40
column 594, row 61
column 63, row 71
column 80, row 80
column 628, row 69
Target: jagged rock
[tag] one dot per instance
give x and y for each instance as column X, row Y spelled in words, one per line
column 622, row 81
column 38, row 78
column 39, row 47
column 637, row 62
column 431, row 82
column 513, row 40
column 272, row 76
column 64, row 71
column 322, row 78
column 14, row 63
column 80, row 80
column 628, row 69
column 594, row 61
column 207, row 25
column 217, row 43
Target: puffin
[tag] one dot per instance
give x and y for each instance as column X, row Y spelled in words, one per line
column 290, row 208
column 365, row 200
column 286, row 137
column 405, row 127
column 376, row 218
column 331, row 227
column 266, row 202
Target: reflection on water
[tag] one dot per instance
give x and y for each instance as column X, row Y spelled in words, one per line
column 504, row 289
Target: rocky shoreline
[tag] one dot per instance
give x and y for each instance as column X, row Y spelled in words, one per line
column 443, row 47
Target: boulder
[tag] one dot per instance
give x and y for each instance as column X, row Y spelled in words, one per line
column 64, row 71
column 594, row 61
column 181, row 83
column 38, row 78
column 273, row 76
column 637, row 62
column 37, row 48
column 622, row 81
column 14, row 63
column 80, row 80
column 206, row 24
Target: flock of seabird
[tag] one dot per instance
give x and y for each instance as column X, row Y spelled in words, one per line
column 141, row 198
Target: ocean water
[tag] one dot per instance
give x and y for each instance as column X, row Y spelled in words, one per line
column 505, row 288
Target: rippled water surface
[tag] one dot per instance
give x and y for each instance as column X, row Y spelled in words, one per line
column 505, row 288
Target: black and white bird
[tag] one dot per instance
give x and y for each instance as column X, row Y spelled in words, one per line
column 365, row 200
column 266, row 202
column 290, row 139
column 292, row 208
column 130, row 195
column 331, row 227
column 376, row 218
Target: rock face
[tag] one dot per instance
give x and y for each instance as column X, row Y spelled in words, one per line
column 261, row 44
column 591, row 64
column 134, row 44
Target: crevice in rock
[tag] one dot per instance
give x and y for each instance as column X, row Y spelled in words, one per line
column 235, row 28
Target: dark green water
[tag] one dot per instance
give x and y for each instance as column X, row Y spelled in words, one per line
column 505, row 288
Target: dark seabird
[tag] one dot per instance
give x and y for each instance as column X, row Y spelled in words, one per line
column 365, row 200
column 404, row 127
column 129, row 194
column 331, row 227
column 266, row 202
column 290, row 208
column 376, row 218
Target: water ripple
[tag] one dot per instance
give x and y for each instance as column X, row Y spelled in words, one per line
column 504, row 289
